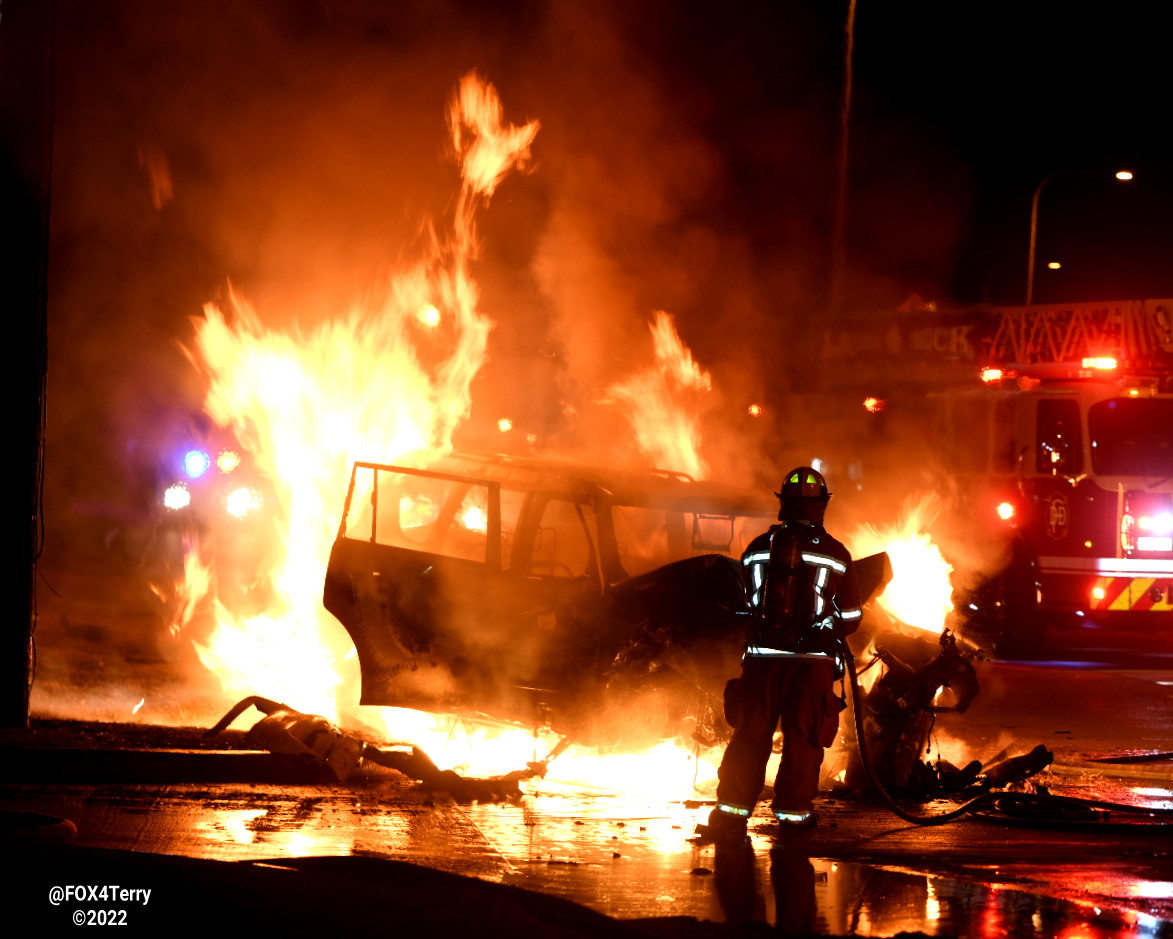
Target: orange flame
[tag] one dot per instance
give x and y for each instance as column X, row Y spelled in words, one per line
column 663, row 402
column 920, row 593
column 306, row 403
column 488, row 148
column 664, row 770
column 197, row 584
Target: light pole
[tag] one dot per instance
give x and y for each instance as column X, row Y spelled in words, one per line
column 839, row 222
column 1123, row 175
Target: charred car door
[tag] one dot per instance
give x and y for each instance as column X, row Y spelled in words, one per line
column 461, row 593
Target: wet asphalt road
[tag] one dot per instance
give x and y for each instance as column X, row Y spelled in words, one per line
column 862, row 871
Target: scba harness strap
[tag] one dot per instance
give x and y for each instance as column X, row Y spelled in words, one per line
column 791, row 587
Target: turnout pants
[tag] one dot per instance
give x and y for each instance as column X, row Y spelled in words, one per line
column 801, row 697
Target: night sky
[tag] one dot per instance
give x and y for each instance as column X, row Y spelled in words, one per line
column 959, row 112
column 1015, row 92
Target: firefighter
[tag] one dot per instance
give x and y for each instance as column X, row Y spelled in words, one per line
column 802, row 587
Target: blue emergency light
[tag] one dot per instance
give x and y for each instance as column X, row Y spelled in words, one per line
column 196, row 463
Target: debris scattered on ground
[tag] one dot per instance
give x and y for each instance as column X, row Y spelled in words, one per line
column 316, row 739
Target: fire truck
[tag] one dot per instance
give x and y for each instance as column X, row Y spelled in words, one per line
column 1049, row 431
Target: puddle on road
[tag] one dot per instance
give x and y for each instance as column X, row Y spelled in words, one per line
column 632, row 860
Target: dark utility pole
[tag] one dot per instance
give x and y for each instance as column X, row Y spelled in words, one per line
column 26, row 134
column 839, row 223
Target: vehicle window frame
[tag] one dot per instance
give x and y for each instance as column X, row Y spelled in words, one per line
column 529, row 530
column 492, row 489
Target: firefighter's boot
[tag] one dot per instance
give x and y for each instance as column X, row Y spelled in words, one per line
column 791, row 822
column 723, row 826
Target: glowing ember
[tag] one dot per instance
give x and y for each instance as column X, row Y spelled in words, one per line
column 663, row 403
column 307, row 402
column 920, row 593
column 504, row 425
column 874, row 405
column 754, row 410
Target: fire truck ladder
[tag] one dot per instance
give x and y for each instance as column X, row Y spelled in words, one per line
column 1137, row 332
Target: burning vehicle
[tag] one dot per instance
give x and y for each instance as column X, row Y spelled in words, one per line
column 545, row 592
column 606, row 605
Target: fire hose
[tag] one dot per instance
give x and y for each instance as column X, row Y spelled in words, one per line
column 1020, row 807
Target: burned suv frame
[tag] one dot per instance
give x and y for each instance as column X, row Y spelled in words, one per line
column 603, row 602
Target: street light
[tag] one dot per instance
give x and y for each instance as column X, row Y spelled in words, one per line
column 1122, row 175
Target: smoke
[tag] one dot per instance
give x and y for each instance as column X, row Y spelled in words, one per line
column 639, row 220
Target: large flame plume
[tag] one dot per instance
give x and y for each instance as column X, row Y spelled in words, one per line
column 389, row 382
column 920, row 593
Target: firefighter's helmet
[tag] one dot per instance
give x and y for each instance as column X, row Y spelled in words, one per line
column 804, row 482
